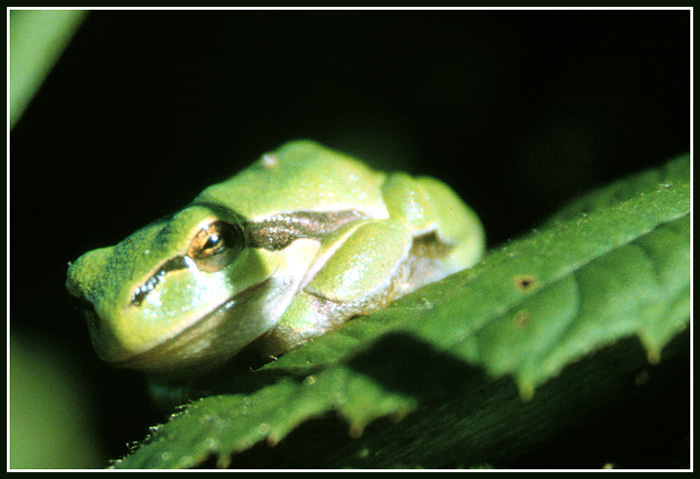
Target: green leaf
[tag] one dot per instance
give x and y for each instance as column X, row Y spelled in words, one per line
column 37, row 39
column 611, row 266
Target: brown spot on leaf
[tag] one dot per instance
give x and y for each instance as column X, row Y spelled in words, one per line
column 521, row 319
column 525, row 282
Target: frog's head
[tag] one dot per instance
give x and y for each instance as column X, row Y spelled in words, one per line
column 177, row 292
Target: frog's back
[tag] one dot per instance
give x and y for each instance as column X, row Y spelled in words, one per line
column 300, row 176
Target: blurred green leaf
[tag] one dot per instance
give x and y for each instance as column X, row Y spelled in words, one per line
column 52, row 414
column 37, row 39
column 613, row 266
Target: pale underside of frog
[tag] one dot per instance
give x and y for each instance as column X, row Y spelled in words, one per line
column 283, row 252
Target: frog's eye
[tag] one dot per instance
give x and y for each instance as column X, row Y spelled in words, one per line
column 216, row 245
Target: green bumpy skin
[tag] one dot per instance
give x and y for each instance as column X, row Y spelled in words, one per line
column 285, row 251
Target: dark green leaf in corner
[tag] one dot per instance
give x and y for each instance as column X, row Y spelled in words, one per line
column 612, row 265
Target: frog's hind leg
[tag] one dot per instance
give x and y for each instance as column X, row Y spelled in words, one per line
column 365, row 265
column 359, row 269
column 447, row 235
column 456, row 225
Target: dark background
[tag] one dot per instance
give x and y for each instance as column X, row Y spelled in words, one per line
column 518, row 111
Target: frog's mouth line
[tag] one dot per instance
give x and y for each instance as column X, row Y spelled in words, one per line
column 215, row 337
column 173, row 264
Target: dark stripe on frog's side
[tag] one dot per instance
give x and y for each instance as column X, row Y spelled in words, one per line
column 279, row 231
column 273, row 234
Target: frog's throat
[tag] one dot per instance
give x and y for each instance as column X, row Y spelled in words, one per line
column 218, row 335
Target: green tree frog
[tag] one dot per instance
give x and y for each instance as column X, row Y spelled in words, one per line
column 286, row 250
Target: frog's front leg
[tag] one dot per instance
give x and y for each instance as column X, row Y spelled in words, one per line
column 360, row 268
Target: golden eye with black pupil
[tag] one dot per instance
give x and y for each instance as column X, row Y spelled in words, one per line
column 216, row 245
